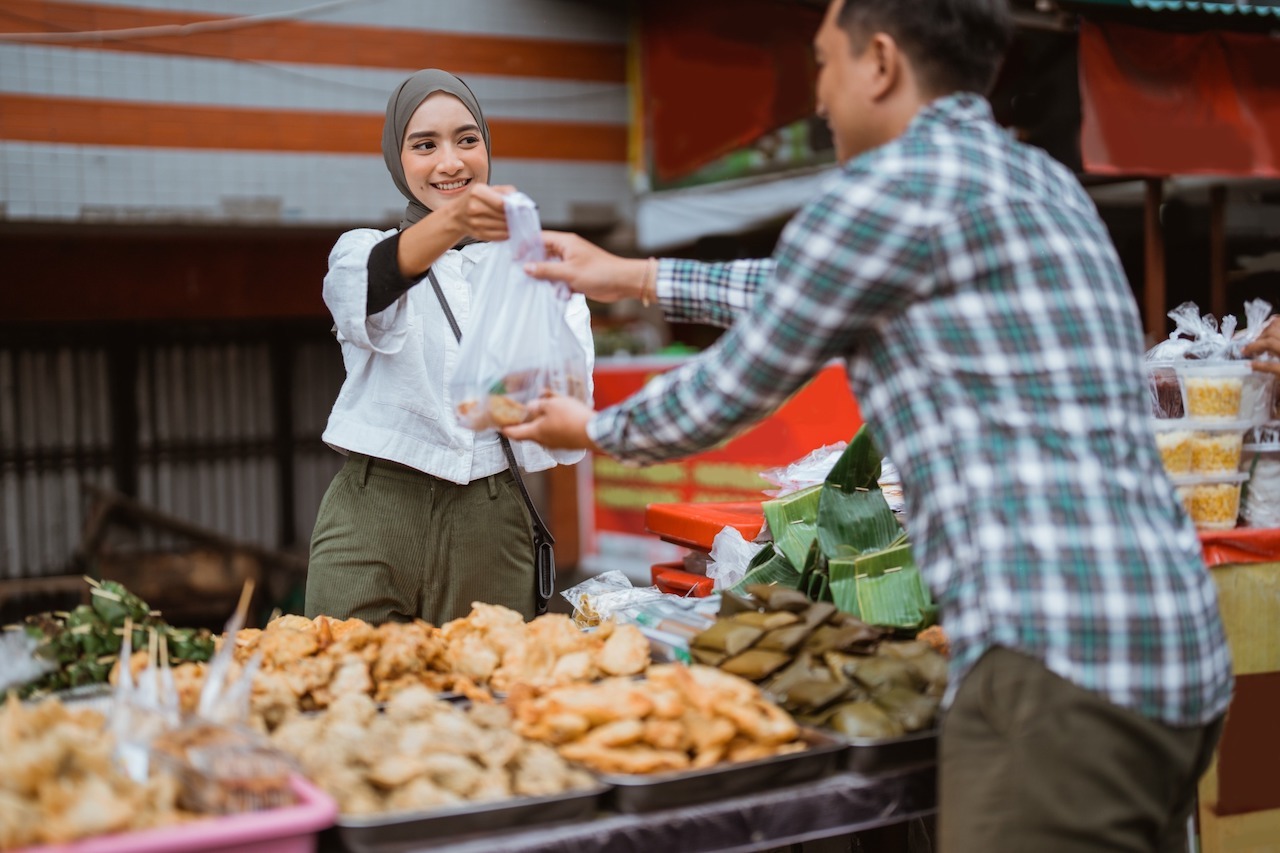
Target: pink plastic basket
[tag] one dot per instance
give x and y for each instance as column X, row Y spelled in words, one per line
column 291, row 829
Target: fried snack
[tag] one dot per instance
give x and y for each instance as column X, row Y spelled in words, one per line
column 310, row 664
column 677, row 718
column 58, row 782
column 495, row 646
column 422, row 753
column 505, row 411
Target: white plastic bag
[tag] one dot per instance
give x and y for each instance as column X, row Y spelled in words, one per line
column 730, row 556
column 518, row 346
column 809, row 470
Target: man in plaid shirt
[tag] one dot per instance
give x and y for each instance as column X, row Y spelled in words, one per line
column 994, row 345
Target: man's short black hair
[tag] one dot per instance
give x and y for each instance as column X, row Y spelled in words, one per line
column 953, row 45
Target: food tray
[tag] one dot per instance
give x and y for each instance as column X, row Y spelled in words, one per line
column 868, row 755
column 402, row 831
column 291, row 829
column 650, row 792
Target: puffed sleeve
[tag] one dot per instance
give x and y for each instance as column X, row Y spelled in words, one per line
column 346, row 293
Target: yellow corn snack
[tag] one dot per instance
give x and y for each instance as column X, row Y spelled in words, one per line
column 1215, row 452
column 1213, row 396
column 1214, row 506
column 1175, row 450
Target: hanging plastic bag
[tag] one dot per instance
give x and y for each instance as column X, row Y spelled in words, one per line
column 1256, row 314
column 519, row 347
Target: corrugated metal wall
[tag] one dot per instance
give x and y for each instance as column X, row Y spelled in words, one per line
column 220, row 433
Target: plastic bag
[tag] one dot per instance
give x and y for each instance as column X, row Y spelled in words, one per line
column 1194, row 336
column 601, row 597
column 809, row 470
column 730, row 556
column 1257, row 312
column 519, row 346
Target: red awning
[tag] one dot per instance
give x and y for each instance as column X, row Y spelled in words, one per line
column 1162, row 103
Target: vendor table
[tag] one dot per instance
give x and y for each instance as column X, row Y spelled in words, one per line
column 837, row 805
column 1239, row 796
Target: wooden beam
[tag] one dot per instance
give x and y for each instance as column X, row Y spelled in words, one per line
column 1218, row 250
column 1153, row 301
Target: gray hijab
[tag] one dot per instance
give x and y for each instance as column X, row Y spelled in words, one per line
column 400, row 106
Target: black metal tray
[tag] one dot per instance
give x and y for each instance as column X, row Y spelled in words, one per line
column 650, row 792
column 403, row 831
column 877, row 755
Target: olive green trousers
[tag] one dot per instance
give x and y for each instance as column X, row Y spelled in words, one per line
column 392, row 543
column 1031, row 762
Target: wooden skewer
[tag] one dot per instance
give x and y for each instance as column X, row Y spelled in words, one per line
column 242, row 608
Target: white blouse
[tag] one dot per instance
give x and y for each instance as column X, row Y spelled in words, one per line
column 395, row 403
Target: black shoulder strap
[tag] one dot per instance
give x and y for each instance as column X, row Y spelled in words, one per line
column 538, row 524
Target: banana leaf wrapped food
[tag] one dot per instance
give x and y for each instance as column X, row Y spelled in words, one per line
column 862, row 719
column 911, row 710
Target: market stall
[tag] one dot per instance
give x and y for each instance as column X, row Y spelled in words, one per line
column 403, row 736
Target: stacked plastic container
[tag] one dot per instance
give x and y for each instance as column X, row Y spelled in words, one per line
column 1204, row 410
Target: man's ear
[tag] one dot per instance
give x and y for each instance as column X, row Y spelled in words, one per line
column 885, row 66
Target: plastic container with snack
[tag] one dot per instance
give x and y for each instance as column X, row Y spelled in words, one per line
column 1214, row 389
column 1215, row 448
column 1212, row 500
column 1173, row 439
column 1165, row 387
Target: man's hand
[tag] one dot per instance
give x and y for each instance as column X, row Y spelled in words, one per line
column 556, row 422
column 1267, row 342
column 590, row 270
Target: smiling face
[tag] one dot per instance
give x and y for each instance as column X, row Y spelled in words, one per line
column 443, row 153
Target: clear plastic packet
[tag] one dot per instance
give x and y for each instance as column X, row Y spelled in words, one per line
column 518, row 346
column 19, row 663
column 601, row 597
column 670, row 622
column 223, row 769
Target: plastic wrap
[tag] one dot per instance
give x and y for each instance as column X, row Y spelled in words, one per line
column 1260, row 459
column 730, row 556
column 599, row 598
column 809, row 470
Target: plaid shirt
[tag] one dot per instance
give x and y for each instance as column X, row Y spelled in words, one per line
column 994, row 345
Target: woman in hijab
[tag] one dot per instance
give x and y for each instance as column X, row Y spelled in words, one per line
column 425, row 517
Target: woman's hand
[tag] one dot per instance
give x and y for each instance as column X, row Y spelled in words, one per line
column 1267, row 342
column 590, row 270
column 556, row 422
column 481, row 212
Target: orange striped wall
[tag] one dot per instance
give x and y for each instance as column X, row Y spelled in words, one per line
column 325, row 44
column 75, row 121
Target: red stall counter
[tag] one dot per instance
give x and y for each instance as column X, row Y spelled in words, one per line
column 615, row 497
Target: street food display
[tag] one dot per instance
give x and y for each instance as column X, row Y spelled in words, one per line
column 421, row 752
column 483, row 723
column 828, row 668
column 59, row 782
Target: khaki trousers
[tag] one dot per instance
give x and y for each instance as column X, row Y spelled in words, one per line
column 1031, row 763
column 392, row 543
